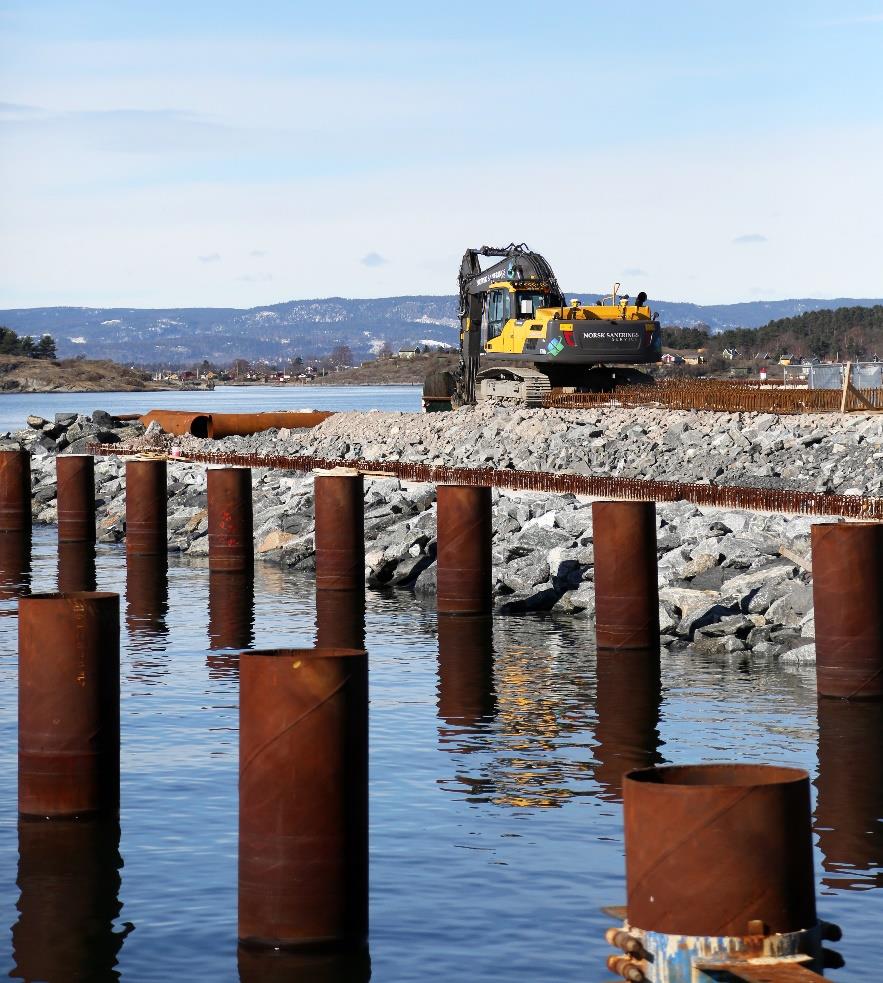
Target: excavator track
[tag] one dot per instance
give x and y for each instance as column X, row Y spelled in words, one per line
column 525, row 386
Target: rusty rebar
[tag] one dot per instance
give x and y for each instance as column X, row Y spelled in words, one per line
column 711, row 847
column 75, row 481
column 147, row 507
column 847, row 562
column 339, row 508
column 230, row 519
column 15, row 491
column 782, row 500
column 68, row 704
column 464, row 567
column 303, row 798
column 76, row 567
column 626, row 588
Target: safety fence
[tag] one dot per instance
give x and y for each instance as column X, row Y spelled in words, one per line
column 780, row 500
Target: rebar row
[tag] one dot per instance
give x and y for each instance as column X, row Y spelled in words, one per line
column 781, row 500
column 722, row 396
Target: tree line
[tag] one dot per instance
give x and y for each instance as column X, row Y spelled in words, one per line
column 12, row 344
column 853, row 333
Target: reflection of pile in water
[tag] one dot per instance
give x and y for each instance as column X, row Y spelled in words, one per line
column 230, row 616
column 263, row 965
column 849, row 809
column 76, row 567
column 68, row 875
column 466, row 698
column 627, row 704
column 147, row 596
column 340, row 619
column 15, row 564
column 523, row 752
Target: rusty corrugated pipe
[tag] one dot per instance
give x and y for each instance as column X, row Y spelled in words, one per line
column 303, row 798
column 180, row 423
column 230, row 519
column 147, row 498
column 711, row 847
column 15, row 491
column 626, row 588
column 339, row 506
column 847, row 566
column 69, row 704
column 464, row 566
column 75, row 482
column 243, row 424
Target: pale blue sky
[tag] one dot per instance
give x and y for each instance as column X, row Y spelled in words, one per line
column 237, row 154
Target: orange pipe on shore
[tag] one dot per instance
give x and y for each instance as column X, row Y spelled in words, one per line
column 180, row 423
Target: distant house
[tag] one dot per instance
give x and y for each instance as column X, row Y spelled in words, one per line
column 672, row 358
column 408, row 352
column 731, row 353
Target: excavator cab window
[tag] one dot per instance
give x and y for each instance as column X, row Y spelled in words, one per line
column 528, row 302
column 498, row 312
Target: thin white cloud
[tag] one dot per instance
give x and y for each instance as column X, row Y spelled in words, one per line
column 373, row 259
column 634, row 271
column 258, row 253
column 750, row 239
column 255, row 277
column 210, row 258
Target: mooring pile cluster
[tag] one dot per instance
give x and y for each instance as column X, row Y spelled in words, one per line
column 719, row 868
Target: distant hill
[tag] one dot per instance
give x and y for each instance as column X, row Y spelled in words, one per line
column 314, row 327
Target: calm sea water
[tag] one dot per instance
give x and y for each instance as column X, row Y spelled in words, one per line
column 496, row 824
column 15, row 407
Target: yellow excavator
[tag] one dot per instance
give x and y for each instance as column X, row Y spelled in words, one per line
column 520, row 339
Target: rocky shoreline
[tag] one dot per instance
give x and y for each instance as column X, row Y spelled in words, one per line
column 733, row 584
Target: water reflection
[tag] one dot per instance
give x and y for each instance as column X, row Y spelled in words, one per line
column 76, row 567
column 849, row 810
column 147, row 597
column 68, row 875
column 520, row 714
column 283, row 966
column 340, row 619
column 627, row 703
column 230, row 618
column 15, row 565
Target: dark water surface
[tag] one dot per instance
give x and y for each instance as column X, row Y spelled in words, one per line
column 496, row 751
column 15, row 407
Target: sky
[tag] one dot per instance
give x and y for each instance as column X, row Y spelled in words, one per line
column 230, row 154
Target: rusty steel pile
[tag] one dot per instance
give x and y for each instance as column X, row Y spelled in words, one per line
column 722, row 396
column 780, row 500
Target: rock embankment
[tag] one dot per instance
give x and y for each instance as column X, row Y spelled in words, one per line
column 812, row 452
column 732, row 583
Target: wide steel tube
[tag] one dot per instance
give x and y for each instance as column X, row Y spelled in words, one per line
column 626, row 589
column 243, row 424
column 15, row 491
column 340, row 531
column 68, row 704
column 180, row 423
column 75, row 481
column 147, row 507
column 847, row 565
column 303, row 798
column 464, row 565
column 230, row 519
column 711, row 847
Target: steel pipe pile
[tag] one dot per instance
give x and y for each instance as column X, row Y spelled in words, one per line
column 780, row 500
column 464, row 549
column 847, row 562
column 230, row 520
column 146, row 507
column 69, row 704
column 719, row 869
column 75, row 482
column 303, row 798
column 15, row 492
column 626, row 589
column 340, row 530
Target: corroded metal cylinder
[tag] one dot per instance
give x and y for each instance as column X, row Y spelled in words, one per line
column 146, row 507
column 340, row 619
column 15, row 564
column 303, row 798
column 76, row 567
column 340, row 530
column 850, row 793
column 147, row 596
column 847, row 567
column 15, row 491
column 75, row 481
column 626, row 590
column 69, row 878
column 68, row 704
column 711, row 847
column 230, row 519
column 265, row 965
column 230, row 609
column 466, row 694
column 464, row 549
column 627, row 704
